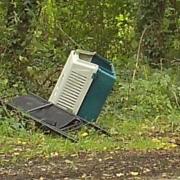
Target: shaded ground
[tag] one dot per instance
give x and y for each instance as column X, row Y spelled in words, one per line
column 107, row 165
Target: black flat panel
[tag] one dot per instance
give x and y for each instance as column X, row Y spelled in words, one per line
column 27, row 102
column 52, row 115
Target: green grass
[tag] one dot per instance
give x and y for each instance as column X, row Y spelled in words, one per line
column 144, row 118
column 126, row 135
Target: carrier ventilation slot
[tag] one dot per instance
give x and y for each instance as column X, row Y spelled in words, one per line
column 71, row 91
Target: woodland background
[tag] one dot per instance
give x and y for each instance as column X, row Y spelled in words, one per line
column 140, row 37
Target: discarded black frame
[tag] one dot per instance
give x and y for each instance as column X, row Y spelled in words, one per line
column 51, row 116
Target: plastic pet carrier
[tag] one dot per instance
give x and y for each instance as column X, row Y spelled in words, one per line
column 84, row 84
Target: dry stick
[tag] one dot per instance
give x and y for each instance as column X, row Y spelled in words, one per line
column 176, row 99
column 137, row 59
column 161, row 63
column 138, row 53
column 3, row 105
column 2, row 73
column 71, row 39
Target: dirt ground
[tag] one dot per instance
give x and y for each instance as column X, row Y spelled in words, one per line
column 106, row 165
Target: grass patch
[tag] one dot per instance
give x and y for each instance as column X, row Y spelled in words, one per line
column 126, row 135
column 146, row 117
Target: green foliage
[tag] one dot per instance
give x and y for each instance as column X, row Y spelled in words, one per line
column 38, row 35
column 161, row 20
column 36, row 38
column 152, row 94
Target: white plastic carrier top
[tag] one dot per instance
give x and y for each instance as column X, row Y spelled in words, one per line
column 74, row 81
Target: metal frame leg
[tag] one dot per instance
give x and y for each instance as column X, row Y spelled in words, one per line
column 96, row 127
column 39, row 107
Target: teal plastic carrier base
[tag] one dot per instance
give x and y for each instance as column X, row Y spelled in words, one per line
column 99, row 90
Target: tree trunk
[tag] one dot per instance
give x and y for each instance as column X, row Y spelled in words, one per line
column 21, row 22
column 151, row 14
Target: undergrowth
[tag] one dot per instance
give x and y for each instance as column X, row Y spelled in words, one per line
column 140, row 115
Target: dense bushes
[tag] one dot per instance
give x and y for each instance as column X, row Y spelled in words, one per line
column 31, row 57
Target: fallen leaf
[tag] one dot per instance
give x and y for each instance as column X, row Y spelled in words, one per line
column 164, row 175
column 16, row 153
column 54, row 154
column 84, row 134
column 107, row 175
column 119, row 174
column 84, row 175
column 146, row 170
column 105, row 148
column 24, row 143
column 156, row 140
column 68, row 161
column 174, row 145
column 134, row 173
